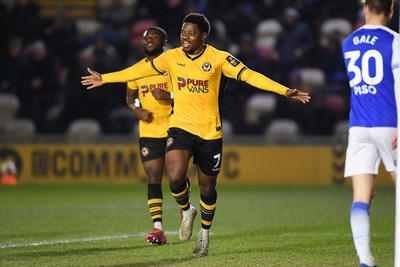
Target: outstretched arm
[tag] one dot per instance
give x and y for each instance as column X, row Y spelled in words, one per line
column 262, row 82
column 134, row 72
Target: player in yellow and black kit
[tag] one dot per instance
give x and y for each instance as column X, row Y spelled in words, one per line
column 198, row 74
column 153, row 110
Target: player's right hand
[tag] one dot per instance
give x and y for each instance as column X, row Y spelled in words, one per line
column 144, row 114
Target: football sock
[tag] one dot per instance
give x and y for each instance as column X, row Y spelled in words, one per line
column 360, row 226
column 158, row 225
column 181, row 196
column 208, row 206
column 154, row 201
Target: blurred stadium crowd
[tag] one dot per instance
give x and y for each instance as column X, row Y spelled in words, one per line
column 43, row 54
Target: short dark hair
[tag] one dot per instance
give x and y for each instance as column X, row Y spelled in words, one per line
column 379, row 6
column 160, row 30
column 200, row 20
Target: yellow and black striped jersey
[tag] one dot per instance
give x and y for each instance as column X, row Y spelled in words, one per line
column 161, row 109
column 198, row 83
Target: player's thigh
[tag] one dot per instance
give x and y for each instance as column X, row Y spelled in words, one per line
column 208, row 156
column 179, row 151
column 152, row 148
column 362, row 155
column 152, row 153
column 383, row 137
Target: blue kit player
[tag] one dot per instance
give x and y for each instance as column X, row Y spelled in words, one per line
column 372, row 59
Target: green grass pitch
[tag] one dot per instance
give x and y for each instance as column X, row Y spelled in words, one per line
column 105, row 225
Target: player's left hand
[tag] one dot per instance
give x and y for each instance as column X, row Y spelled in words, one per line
column 298, row 95
column 92, row 81
column 160, row 94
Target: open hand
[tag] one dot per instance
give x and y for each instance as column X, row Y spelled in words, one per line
column 298, row 95
column 92, row 81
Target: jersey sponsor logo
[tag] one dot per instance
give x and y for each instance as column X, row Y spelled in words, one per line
column 193, row 85
column 181, row 64
column 233, row 61
column 145, row 151
column 147, row 88
column 170, row 140
column 206, row 66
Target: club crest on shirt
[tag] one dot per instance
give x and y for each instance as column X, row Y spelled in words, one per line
column 145, row 151
column 170, row 140
column 206, row 66
column 232, row 60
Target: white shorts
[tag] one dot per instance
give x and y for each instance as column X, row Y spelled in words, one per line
column 367, row 147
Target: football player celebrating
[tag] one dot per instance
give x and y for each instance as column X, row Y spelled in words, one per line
column 199, row 74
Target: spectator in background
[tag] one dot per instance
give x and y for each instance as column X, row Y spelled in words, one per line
column 39, row 85
column 12, row 67
column 238, row 93
column 23, row 20
column 62, row 40
column 294, row 44
column 117, row 18
column 333, row 62
column 99, row 105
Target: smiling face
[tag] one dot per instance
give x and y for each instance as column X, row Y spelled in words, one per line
column 192, row 39
column 153, row 42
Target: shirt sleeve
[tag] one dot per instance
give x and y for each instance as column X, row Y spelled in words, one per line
column 132, row 85
column 134, row 72
column 262, row 82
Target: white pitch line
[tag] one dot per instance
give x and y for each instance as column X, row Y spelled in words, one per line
column 78, row 240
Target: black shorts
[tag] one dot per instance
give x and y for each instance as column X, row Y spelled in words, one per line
column 152, row 148
column 207, row 154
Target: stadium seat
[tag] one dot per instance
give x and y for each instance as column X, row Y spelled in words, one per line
column 83, row 129
column 87, row 27
column 259, row 104
column 312, row 77
column 9, row 106
column 267, row 32
column 20, row 127
column 282, row 130
column 334, row 25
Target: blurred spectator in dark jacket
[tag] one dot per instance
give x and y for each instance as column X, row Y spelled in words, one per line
column 117, row 18
column 294, row 44
column 62, row 40
column 333, row 62
column 11, row 67
column 23, row 20
column 40, row 85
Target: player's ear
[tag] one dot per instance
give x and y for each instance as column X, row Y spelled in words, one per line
column 203, row 36
column 391, row 13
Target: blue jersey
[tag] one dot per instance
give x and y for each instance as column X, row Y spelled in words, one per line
column 371, row 54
